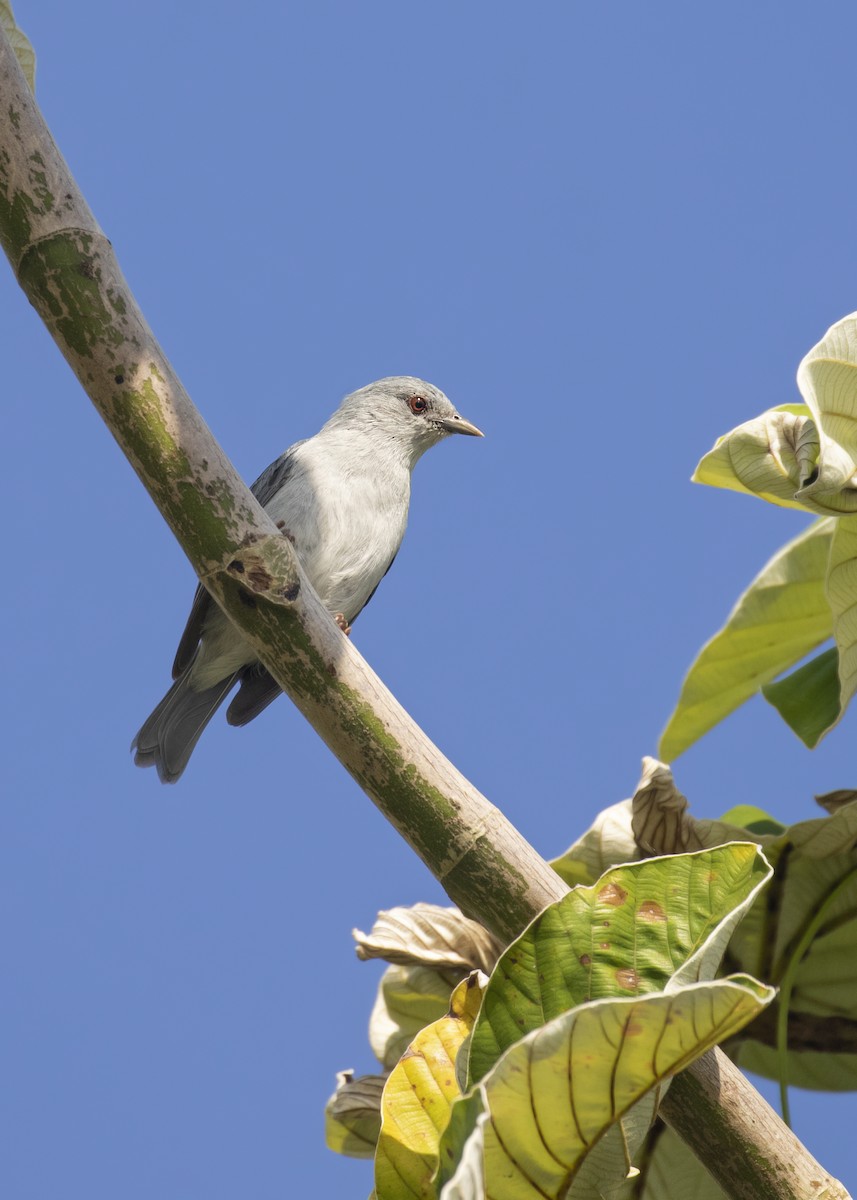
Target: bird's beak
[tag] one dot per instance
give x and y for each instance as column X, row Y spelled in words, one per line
column 458, row 424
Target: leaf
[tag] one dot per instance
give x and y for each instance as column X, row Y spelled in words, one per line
column 782, row 616
column 670, row 1171
column 641, row 928
column 769, row 457
column 808, row 698
column 660, row 820
column 417, row 1099
column 570, row 1103
column 19, row 42
column 352, row 1115
column 459, row 1173
column 430, row 936
column 831, row 802
column 409, row 998
column 842, row 597
column 815, row 874
column 810, row 860
column 609, row 842
column 827, row 378
column 821, row 861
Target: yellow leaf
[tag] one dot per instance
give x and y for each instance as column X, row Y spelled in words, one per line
column 418, row 1097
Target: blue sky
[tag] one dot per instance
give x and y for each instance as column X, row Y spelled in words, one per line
column 609, row 233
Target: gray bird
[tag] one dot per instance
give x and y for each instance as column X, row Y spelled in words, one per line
column 342, row 498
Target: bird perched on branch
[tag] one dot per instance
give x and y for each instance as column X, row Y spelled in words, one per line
column 342, row 498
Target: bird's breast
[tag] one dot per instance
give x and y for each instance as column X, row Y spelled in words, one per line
column 346, row 525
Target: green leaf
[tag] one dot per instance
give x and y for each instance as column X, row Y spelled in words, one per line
column 808, row 699
column 812, row 861
column 352, row 1115
column 640, row 928
column 19, row 42
column 417, row 1099
column 814, row 893
column 751, row 819
column 812, row 699
column 842, row 597
column 769, row 457
column 669, row 1171
column 570, row 1104
column 783, row 615
column 460, row 1155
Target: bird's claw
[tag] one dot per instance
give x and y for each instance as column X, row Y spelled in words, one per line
column 340, row 620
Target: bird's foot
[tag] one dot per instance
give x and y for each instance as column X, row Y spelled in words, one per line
column 281, row 525
column 340, row 620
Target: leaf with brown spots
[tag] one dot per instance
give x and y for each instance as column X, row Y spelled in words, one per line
column 641, row 928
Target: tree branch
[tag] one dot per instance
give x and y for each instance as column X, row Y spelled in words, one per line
column 68, row 271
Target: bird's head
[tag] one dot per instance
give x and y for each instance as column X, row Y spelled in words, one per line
column 405, row 411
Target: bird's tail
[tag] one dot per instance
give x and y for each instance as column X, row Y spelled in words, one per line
column 168, row 736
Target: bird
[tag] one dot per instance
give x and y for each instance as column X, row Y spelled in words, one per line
column 341, row 497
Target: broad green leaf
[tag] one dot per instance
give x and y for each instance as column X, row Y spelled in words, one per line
column 352, row 1115
column 808, row 699
column 19, row 42
column 783, row 615
column 669, row 1171
column 749, row 819
column 827, row 378
column 459, row 1173
column 417, row 1099
column 409, row 998
column 842, row 597
column 570, row 1103
column 807, row 945
column 815, row 873
column 641, row 928
column 811, row 861
column 771, row 456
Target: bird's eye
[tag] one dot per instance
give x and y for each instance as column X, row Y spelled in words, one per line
column 417, row 404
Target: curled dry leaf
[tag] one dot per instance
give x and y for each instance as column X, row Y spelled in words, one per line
column 661, row 821
column 430, row 936
column 832, row 801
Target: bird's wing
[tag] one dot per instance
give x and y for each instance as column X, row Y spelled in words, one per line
column 351, row 620
column 192, row 631
column 273, row 477
column 258, row 688
column 264, row 489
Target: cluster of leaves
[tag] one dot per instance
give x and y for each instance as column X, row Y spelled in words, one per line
column 800, row 456
column 541, row 1074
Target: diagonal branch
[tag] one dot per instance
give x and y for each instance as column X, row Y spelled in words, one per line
column 68, row 271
